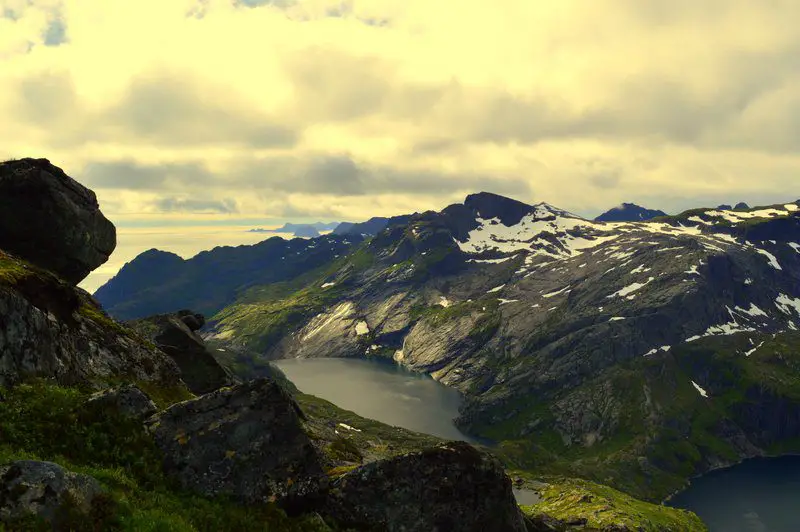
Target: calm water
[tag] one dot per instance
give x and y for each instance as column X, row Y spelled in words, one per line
column 761, row 495
column 379, row 390
column 385, row 392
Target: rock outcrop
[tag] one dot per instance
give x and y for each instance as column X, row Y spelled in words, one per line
column 128, row 400
column 49, row 328
column 175, row 335
column 450, row 487
column 51, row 220
column 45, row 490
column 246, row 442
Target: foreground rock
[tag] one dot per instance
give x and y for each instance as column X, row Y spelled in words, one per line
column 51, row 220
column 175, row 335
column 246, row 442
column 54, row 330
column 45, row 490
column 128, row 401
column 450, row 487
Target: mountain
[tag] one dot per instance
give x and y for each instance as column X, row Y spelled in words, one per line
column 157, row 282
column 635, row 353
column 371, row 227
column 301, row 230
column 629, row 212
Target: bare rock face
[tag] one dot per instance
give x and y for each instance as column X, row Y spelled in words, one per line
column 50, row 328
column 449, row 487
column 44, row 490
column 175, row 335
column 51, row 220
column 246, row 442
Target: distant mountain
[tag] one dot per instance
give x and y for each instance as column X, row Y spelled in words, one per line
column 629, row 212
column 157, row 282
column 371, row 227
column 645, row 352
column 301, row 230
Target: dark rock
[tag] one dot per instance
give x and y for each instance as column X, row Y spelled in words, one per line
column 128, row 400
column 174, row 334
column 51, row 329
column 192, row 320
column 724, row 207
column 449, row 487
column 44, row 489
column 371, row 227
column 247, row 442
column 629, row 212
column 544, row 523
column 741, row 206
column 51, row 220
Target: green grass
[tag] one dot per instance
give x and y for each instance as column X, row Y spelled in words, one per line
column 42, row 421
column 601, row 506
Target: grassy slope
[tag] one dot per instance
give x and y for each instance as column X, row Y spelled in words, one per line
column 42, row 421
column 661, row 417
column 600, row 507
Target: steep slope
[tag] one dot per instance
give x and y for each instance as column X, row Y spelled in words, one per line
column 543, row 319
column 629, row 212
column 157, row 282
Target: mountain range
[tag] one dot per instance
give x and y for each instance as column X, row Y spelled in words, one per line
column 635, row 353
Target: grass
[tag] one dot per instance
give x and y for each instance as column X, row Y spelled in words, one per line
column 600, row 507
column 43, row 421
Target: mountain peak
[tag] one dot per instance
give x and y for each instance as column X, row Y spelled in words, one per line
column 629, row 212
column 488, row 206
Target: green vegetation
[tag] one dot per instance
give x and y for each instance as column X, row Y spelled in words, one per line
column 650, row 428
column 600, row 507
column 43, row 421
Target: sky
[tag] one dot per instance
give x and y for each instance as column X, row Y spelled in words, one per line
column 191, row 114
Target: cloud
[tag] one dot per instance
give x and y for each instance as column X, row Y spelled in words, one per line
column 170, row 204
column 354, row 109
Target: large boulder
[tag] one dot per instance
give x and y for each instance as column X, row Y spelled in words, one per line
column 175, row 335
column 51, row 220
column 45, row 490
column 449, row 487
column 246, row 442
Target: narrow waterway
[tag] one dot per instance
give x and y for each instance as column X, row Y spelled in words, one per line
column 759, row 495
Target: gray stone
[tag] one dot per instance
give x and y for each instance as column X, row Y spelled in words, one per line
column 127, row 400
column 51, row 220
column 28, row 487
column 174, row 335
column 246, row 442
column 449, row 487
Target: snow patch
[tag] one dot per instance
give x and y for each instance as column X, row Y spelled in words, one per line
column 700, row 390
column 773, row 261
column 786, row 304
column 496, row 289
column 631, row 288
column 327, row 285
column 559, row 292
column 348, row 427
column 362, row 328
column 444, row 302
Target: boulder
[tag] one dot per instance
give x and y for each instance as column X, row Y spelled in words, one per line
column 175, row 335
column 51, row 220
column 452, row 486
column 246, row 442
column 45, row 490
column 128, row 400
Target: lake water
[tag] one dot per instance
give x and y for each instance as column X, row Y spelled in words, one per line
column 379, row 390
column 387, row 393
column 760, row 495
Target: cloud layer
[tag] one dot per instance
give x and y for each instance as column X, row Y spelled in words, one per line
column 313, row 108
